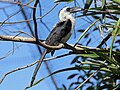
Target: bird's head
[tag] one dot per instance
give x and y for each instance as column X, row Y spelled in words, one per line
column 68, row 12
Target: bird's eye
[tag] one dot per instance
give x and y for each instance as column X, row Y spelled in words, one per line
column 68, row 9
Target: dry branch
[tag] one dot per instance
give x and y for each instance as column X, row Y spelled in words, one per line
column 28, row 40
column 78, row 49
column 17, row 69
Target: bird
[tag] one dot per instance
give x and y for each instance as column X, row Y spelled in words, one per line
column 60, row 33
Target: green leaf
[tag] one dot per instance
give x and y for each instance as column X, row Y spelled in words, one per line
column 117, row 87
column 103, row 3
column 103, row 9
column 75, row 60
column 72, row 76
column 87, row 5
column 62, row 70
column 105, row 57
column 30, row 2
column 105, row 69
column 89, row 55
column 63, row 1
column 66, row 69
column 114, row 7
column 115, row 33
column 116, row 1
column 83, row 34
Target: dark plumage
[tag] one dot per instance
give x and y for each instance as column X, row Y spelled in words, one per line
column 60, row 34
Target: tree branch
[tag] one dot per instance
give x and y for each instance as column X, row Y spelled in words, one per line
column 78, row 49
column 17, row 69
column 34, row 20
column 29, row 40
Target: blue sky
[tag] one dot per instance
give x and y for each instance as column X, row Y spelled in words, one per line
column 28, row 53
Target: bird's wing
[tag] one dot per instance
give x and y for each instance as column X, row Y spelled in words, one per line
column 60, row 31
column 55, row 37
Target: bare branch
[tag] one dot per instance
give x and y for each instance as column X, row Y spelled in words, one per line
column 55, row 57
column 29, row 40
column 16, row 22
column 78, row 49
column 86, row 80
column 24, row 67
column 34, row 20
column 11, row 16
column 9, row 52
column 17, row 69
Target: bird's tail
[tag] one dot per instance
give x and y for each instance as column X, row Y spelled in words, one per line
column 38, row 66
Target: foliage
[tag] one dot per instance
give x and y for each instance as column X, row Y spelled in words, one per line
column 106, row 64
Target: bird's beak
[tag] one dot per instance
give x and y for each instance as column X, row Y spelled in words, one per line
column 75, row 9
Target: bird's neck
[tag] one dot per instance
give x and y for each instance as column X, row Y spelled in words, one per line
column 70, row 17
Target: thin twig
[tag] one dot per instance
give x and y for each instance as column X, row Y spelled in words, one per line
column 34, row 20
column 24, row 67
column 35, row 25
column 104, row 40
column 17, row 69
column 78, row 49
column 86, row 80
column 44, row 24
column 30, row 19
column 46, row 63
column 10, row 52
column 55, row 57
column 10, row 16
column 29, row 40
column 50, row 10
column 26, row 18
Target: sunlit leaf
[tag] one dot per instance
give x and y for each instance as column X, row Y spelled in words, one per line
column 89, row 55
column 117, row 87
column 103, row 3
column 117, row 1
column 62, row 70
column 66, row 69
column 115, row 33
column 105, row 57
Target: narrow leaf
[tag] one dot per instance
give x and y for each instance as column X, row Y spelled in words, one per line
column 103, row 3
column 87, row 5
column 62, row 70
column 117, row 1
column 72, row 76
column 83, row 34
column 89, row 55
column 75, row 60
column 63, row 1
column 115, row 33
